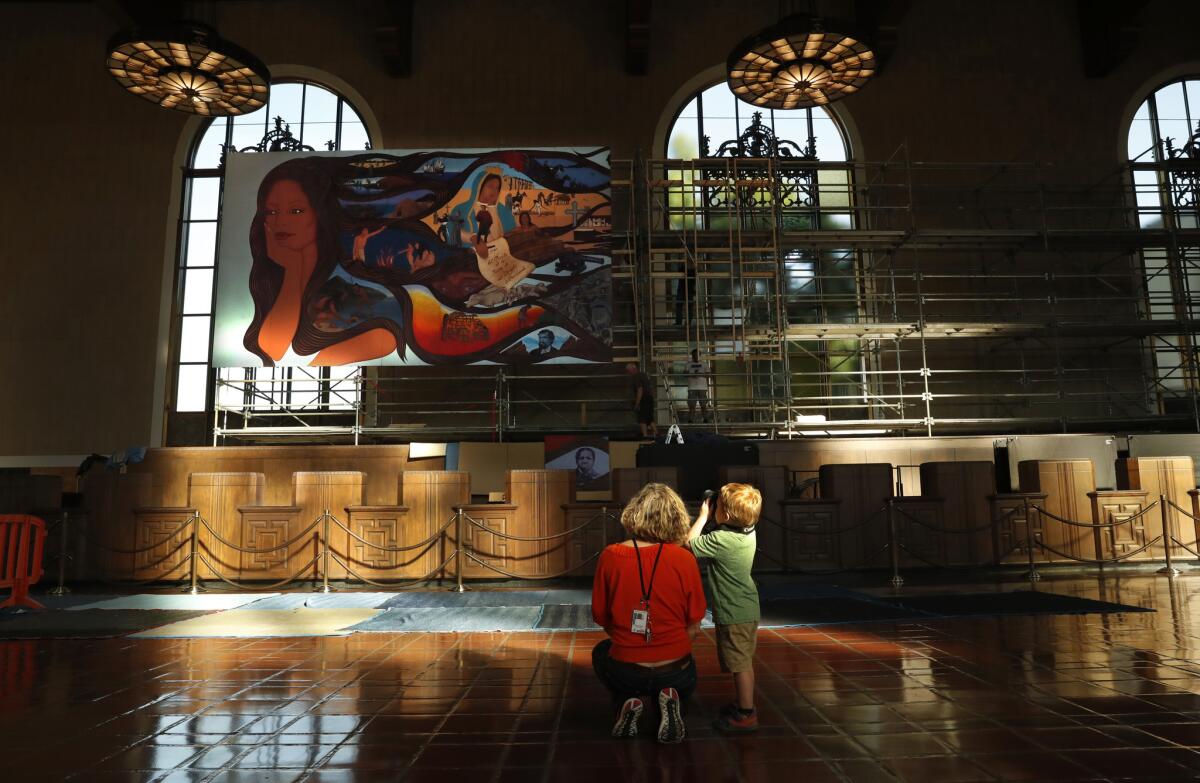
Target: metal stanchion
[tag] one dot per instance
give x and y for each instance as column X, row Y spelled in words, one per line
column 324, row 588
column 893, row 545
column 1169, row 568
column 195, row 588
column 458, row 551
column 62, row 588
column 1032, row 574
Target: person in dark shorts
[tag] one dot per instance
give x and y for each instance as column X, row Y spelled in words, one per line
column 642, row 391
column 730, row 549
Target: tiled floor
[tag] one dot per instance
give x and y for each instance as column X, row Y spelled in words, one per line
column 1065, row 698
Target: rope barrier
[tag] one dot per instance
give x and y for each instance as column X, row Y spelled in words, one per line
column 140, row 550
column 1125, row 556
column 831, row 572
column 162, row 559
column 858, row 525
column 407, row 548
column 1097, row 525
column 415, row 580
column 1187, row 514
column 158, row 578
column 985, row 526
column 260, row 588
column 551, row 537
column 770, row 557
column 1185, row 547
column 973, row 566
column 525, row 576
column 225, row 542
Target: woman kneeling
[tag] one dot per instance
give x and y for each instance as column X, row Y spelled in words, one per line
column 648, row 598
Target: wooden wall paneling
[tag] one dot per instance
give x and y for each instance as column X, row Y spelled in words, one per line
column 488, row 549
column 627, row 481
column 964, row 488
column 161, row 526
column 391, row 526
column 1173, row 477
column 109, row 499
column 1014, row 519
column 431, row 497
column 266, row 527
column 541, row 496
column 585, row 545
column 810, row 538
column 1109, row 506
column 217, row 498
column 863, row 491
column 772, row 482
column 1066, row 484
column 924, row 545
column 380, row 464
column 332, row 491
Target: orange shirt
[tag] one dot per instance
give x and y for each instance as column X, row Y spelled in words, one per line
column 676, row 601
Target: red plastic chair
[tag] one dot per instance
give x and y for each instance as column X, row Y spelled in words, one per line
column 21, row 541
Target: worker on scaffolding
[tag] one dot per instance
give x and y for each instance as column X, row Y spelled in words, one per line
column 697, row 385
column 642, row 390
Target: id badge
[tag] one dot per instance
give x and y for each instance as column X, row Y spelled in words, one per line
column 641, row 621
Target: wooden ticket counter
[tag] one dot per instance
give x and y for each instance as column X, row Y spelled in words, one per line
column 542, row 530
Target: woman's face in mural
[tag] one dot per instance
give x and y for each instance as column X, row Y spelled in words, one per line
column 489, row 192
column 289, row 220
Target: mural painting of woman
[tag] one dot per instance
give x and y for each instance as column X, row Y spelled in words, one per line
column 300, row 309
column 294, row 246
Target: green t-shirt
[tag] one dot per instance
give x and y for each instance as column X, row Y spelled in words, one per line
column 731, row 555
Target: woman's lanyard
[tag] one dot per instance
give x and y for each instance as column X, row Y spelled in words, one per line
column 641, row 617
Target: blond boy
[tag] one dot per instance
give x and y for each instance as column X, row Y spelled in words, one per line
column 730, row 548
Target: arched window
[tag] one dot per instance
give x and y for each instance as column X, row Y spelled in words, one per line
column 765, row 178
column 1164, row 154
column 301, row 115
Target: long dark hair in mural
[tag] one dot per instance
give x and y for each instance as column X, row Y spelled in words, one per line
column 433, row 258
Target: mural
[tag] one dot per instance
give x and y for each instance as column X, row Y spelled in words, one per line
column 587, row 455
column 421, row 258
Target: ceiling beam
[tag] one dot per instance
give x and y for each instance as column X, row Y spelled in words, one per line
column 878, row 22
column 637, row 37
column 394, row 37
column 126, row 13
column 1108, row 33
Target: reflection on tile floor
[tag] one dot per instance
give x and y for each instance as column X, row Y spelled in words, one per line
column 1047, row 698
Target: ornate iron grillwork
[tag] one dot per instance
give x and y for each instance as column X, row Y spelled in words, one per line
column 278, row 140
column 1184, row 172
column 760, row 187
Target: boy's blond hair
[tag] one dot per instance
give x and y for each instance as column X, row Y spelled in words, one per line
column 656, row 513
column 742, row 504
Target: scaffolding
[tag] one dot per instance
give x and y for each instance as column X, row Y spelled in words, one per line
column 895, row 296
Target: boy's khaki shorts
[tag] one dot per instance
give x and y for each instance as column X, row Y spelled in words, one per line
column 735, row 647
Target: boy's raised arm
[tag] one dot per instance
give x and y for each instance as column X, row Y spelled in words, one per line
column 701, row 519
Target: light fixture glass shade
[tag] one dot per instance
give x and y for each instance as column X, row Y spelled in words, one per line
column 796, row 64
column 189, row 68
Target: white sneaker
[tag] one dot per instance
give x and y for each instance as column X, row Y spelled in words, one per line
column 670, row 725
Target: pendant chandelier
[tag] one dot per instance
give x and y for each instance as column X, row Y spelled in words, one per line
column 188, row 67
column 797, row 64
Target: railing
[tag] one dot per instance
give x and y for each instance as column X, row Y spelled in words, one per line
column 198, row 551
column 892, row 512
column 194, row 551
